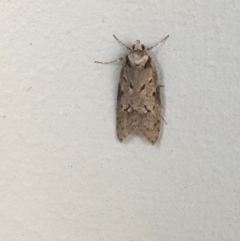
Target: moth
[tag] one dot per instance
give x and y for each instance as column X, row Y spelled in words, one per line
column 138, row 98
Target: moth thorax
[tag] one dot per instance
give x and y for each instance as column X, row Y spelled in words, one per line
column 138, row 58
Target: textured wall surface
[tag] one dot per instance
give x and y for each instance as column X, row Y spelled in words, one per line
column 65, row 176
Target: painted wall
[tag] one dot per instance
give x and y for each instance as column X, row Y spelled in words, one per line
column 65, row 176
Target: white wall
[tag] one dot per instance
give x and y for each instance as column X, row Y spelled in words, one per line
column 65, row 176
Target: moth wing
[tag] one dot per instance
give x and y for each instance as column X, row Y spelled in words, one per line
column 122, row 117
column 127, row 118
column 123, row 114
column 135, row 113
column 152, row 119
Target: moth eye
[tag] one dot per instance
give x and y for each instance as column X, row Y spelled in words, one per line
column 143, row 47
column 133, row 46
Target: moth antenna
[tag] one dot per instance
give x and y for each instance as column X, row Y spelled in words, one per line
column 122, row 43
column 110, row 62
column 161, row 42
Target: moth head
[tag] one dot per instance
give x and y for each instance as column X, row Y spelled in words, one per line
column 138, row 45
column 138, row 56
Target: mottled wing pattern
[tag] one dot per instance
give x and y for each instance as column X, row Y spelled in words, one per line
column 125, row 115
column 150, row 124
column 138, row 102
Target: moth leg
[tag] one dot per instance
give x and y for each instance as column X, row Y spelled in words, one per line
column 121, row 43
column 163, row 118
column 161, row 42
column 110, row 62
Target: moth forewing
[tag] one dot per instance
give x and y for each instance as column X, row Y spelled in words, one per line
column 138, row 98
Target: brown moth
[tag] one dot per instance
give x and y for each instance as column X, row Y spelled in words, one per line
column 138, row 98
